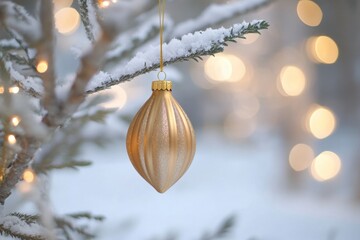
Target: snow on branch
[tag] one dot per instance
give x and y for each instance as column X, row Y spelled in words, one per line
column 31, row 85
column 21, row 227
column 217, row 14
column 15, row 18
column 191, row 46
column 27, row 227
column 87, row 13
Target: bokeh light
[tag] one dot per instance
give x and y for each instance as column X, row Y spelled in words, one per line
column 292, row 81
column 1, row 89
column 59, row 4
column 326, row 166
column 11, row 139
column 309, row 13
column 225, row 68
column 67, row 20
column 322, row 49
column 321, row 122
column 103, row 3
column 42, row 66
column 119, row 98
column 300, row 157
column 29, row 175
column 14, row 89
column 250, row 38
column 15, row 120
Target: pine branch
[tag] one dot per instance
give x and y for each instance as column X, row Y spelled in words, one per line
column 9, row 45
column 5, row 231
column 217, row 14
column 27, row 218
column 85, row 18
column 213, row 41
column 70, row 164
column 66, row 224
column 30, row 84
column 19, row 23
column 9, row 226
column 86, row 215
column 222, row 231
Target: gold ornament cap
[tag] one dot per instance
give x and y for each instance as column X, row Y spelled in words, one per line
column 161, row 85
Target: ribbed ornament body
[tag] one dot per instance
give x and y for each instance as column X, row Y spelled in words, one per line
column 161, row 140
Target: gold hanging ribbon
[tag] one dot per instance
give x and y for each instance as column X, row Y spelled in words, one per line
column 162, row 6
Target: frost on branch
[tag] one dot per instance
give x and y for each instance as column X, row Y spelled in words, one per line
column 19, row 22
column 28, row 227
column 191, row 46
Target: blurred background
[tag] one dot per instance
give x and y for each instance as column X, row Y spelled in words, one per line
column 277, row 123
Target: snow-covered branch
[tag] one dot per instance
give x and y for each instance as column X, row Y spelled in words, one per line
column 87, row 13
column 27, row 227
column 217, row 14
column 191, row 46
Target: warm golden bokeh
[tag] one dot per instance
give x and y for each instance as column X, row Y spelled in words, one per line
column 67, row 20
column 104, row 3
column 321, row 122
column 309, row 13
column 42, row 66
column 250, row 38
column 1, row 89
column 59, row 4
column 292, row 80
column 326, row 166
column 29, row 175
column 322, row 49
column 118, row 97
column 11, row 139
column 14, row 89
column 300, row 157
column 15, row 120
column 225, row 68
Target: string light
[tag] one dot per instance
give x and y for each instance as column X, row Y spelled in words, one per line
column 309, row 13
column 321, row 122
column 15, row 120
column 14, row 89
column 29, row 175
column 11, row 139
column 292, row 81
column 326, row 166
column 42, row 66
column 1, row 89
column 104, row 3
column 67, row 20
column 300, row 157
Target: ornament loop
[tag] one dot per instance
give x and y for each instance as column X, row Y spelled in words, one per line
column 164, row 75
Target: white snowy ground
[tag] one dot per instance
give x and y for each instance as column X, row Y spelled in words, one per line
column 224, row 179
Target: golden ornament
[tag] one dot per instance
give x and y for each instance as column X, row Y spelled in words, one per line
column 161, row 140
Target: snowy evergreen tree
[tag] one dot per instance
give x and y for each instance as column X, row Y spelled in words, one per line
column 44, row 119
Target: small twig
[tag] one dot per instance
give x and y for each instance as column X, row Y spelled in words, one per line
column 45, row 52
